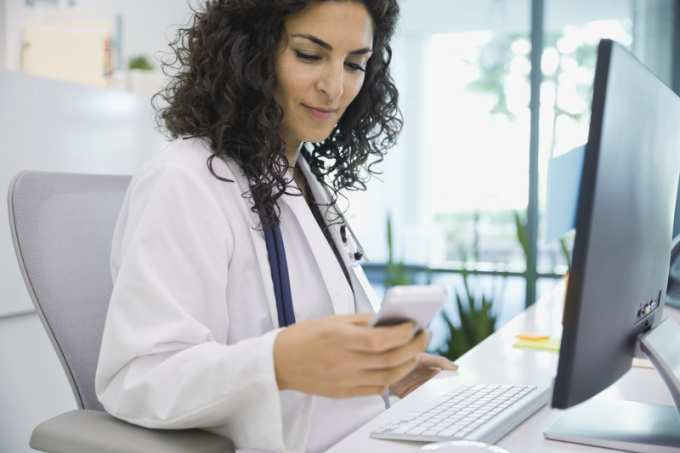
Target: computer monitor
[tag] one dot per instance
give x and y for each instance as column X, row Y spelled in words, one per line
column 616, row 288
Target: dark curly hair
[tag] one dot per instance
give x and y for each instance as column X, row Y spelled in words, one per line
column 222, row 88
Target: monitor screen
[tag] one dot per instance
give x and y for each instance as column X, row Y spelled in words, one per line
column 626, row 204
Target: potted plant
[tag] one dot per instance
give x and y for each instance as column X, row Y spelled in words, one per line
column 143, row 79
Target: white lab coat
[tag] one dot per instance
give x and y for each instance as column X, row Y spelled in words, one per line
column 189, row 334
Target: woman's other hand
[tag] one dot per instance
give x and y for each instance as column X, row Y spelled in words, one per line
column 339, row 357
column 428, row 366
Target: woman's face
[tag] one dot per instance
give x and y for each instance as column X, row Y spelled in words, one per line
column 320, row 67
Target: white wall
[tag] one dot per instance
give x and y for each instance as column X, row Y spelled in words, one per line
column 57, row 126
column 33, row 387
column 3, row 33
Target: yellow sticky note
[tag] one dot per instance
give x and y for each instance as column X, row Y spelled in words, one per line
column 548, row 344
column 531, row 336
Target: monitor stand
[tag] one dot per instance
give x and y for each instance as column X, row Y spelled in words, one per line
column 626, row 425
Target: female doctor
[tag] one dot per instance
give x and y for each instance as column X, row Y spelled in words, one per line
column 236, row 306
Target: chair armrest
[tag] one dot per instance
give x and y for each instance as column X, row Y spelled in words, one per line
column 86, row 431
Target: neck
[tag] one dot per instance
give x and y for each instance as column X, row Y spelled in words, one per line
column 292, row 153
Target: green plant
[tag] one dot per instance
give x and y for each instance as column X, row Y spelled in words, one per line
column 395, row 273
column 477, row 321
column 140, row 62
column 566, row 253
column 477, row 316
column 522, row 235
column 524, row 241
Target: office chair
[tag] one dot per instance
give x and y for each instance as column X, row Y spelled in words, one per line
column 62, row 227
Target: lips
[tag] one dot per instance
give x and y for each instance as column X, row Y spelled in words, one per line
column 320, row 113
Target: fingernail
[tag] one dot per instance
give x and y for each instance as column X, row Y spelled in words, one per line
column 454, row 365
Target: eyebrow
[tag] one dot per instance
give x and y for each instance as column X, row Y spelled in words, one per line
column 327, row 46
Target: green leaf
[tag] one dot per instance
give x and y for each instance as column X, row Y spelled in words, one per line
column 389, row 238
column 465, row 320
column 140, row 62
column 567, row 255
column 522, row 234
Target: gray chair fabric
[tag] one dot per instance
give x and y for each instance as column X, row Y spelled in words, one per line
column 62, row 226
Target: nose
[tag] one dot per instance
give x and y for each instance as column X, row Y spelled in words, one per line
column 331, row 83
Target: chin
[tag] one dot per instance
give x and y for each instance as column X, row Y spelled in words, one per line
column 317, row 137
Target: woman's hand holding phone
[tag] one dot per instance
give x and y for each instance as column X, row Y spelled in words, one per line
column 345, row 356
column 340, row 357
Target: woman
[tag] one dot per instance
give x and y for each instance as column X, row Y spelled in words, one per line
column 193, row 337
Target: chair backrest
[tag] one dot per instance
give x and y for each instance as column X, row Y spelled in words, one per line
column 62, row 227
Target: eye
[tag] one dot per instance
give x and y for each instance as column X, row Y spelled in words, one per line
column 307, row 57
column 355, row 67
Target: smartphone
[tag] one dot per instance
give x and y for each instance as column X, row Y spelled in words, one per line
column 416, row 303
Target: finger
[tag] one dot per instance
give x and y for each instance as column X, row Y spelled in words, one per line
column 388, row 376
column 436, row 361
column 358, row 319
column 394, row 357
column 378, row 339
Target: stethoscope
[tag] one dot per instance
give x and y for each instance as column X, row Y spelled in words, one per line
column 276, row 254
column 356, row 252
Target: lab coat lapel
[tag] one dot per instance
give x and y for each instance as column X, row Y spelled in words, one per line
column 365, row 299
column 333, row 278
column 257, row 236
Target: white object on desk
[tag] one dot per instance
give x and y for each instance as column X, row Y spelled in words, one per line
column 483, row 413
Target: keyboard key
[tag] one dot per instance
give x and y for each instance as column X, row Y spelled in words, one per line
column 448, row 432
column 403, row 428
column 416, row 431
column 381, row 429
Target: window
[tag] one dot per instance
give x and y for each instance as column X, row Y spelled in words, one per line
column 457, row 186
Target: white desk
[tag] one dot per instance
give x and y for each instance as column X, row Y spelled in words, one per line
column 496, row 361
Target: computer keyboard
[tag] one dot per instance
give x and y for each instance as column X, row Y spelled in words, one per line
column 483, row 413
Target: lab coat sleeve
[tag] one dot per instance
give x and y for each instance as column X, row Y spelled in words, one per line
column 164, row 360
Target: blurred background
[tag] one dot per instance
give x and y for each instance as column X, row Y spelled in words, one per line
column 490, row 90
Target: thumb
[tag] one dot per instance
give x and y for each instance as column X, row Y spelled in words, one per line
column 435, row 361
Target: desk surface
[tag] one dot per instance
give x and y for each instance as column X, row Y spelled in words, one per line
column 496, row 361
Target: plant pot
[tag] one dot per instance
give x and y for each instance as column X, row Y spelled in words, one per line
column 145, row 83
